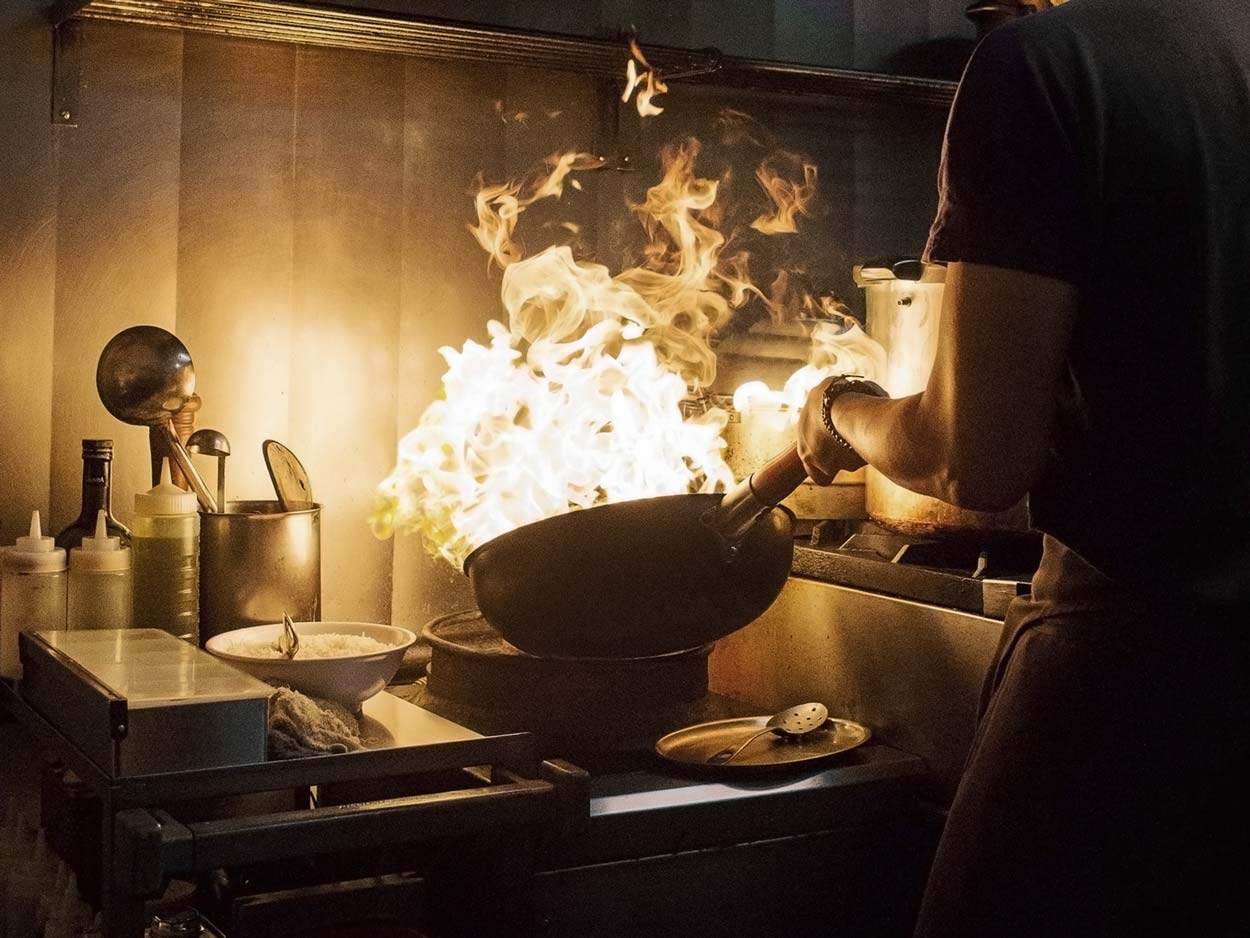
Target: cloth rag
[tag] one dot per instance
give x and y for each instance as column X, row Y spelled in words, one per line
column 301, row 726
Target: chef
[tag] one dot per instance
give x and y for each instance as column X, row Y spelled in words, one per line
column 1094, row 354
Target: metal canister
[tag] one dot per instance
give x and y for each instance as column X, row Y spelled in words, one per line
column 904, row 301
column 257, row 562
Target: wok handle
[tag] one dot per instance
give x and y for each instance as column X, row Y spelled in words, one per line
column 745, row 502
column 778, row 477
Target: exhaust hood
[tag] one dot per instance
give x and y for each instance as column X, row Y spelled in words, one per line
column 389, row 26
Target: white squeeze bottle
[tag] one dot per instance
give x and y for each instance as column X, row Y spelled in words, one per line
column 165, row 543
column 99, row 581
column 32, row 594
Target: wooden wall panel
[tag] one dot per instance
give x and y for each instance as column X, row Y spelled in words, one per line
column 235, row 245
column 27, row 267
column 117, row 241
column 346, row 299
column 451, row 133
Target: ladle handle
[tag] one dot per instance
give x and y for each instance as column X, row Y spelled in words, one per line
column 183, row 459
column 758, row 494
column 730, row 753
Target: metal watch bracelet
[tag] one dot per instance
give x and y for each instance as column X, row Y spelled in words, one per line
column 845, row 384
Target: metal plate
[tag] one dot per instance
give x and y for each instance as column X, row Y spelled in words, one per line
column 694, row 745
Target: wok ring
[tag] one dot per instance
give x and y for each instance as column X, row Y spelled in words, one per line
column 635, row 578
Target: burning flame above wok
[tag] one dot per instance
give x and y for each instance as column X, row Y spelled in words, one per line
column 576, row 400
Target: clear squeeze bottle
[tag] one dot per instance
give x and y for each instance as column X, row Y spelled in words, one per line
column 165, row 541
column 32, row 594
column 99, row 581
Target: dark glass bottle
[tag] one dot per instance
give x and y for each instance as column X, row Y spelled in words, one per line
column 97, row 480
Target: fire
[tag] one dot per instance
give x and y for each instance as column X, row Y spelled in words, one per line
column 576, row 399
column 790, row 197
column 647, row 82
column 839, row 347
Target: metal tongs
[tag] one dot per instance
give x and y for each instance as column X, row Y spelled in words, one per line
column 288, row 641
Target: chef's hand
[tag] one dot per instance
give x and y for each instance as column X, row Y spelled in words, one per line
column 823, row 457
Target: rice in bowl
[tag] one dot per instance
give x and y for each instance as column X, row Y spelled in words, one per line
column 326, row 645
column 347, row 662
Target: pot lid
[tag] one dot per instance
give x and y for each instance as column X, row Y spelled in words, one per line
column 898, row 268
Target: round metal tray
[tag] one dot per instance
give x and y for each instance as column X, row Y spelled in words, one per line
column 693, row 745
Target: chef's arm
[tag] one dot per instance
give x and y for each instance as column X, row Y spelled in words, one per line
column 977, row 436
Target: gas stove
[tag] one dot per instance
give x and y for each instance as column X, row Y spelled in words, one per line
column 979, row 573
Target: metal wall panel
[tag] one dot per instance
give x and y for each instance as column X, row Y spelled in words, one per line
column 117, row 241
column 27, row 266
column 736, row 27
column 349, row 189
column 882, row 28
column 451, row 133
column 895, row 164
column 298, row 216
column 235, row 239
column 814, row 31
column 839, row 33
column 910, row 672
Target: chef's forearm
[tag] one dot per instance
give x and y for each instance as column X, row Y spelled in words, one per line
column 896, row 439
column 951, row 458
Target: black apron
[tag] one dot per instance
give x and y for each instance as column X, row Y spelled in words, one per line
column 1106, row 791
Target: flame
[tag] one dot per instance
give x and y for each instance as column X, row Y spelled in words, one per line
column 576, row 401
column 577, row 398
column 839, row 347
column 790, row 197
column 647, row 82
column 500, row 206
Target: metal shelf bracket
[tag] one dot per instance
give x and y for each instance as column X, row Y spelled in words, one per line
column 67, row 45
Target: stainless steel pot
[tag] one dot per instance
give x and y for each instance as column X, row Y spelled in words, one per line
column 904, row 304
column 754, row 435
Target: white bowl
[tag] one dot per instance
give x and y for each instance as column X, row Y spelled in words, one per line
column 348, row 679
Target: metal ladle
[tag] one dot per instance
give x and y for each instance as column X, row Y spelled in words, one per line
column 212, row 443
column 791, row 724
column 144, row 377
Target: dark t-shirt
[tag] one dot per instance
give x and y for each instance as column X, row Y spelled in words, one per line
column 1107, row 143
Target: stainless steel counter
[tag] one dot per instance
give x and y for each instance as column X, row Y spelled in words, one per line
column 912, row 672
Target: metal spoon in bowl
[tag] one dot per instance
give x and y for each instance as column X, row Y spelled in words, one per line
column 288, row 641
column 791, row 724
column 144, row 377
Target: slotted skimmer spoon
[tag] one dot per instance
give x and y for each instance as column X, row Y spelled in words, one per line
column 789, row 724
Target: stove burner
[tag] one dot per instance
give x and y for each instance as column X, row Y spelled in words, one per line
column 572, row 705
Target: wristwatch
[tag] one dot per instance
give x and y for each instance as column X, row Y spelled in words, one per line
column 845, row 384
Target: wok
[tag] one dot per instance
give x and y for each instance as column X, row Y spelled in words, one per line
column 642, row 577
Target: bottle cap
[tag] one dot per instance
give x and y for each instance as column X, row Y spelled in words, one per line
column 166, row 498
column 35, row 553
column 102, row 553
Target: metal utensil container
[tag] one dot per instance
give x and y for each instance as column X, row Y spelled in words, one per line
column 257, row 562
